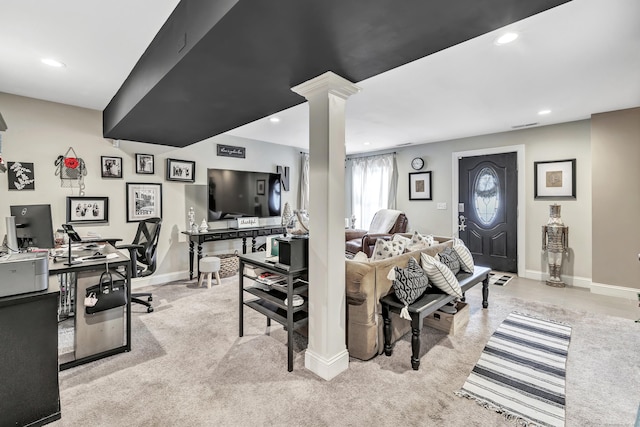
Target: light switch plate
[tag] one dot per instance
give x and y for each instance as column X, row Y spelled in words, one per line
column 442, row 205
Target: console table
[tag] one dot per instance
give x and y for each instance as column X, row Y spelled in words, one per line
column 226, row 234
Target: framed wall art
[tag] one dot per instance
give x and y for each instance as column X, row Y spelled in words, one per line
column 20, row 176
column 145, row 164
column 555, row 179
column 87, row 209
column 420, row 186
column 144, row 200
column 181, row 170
column 111, row 166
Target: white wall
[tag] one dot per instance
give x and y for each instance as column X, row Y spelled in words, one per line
column 40, row 131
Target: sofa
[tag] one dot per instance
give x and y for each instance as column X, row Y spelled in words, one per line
column 366, row 282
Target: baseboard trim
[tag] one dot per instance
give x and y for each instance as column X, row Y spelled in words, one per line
column 157, row 279
column 325, row 368
column 575, row 281
column 615, row 291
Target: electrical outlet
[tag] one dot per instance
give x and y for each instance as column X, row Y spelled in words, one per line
column 442, row 205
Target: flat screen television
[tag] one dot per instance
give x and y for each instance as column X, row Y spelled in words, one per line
column 236, row 194
column 34, row 227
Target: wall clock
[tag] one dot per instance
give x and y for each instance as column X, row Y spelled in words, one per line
column 417, row 163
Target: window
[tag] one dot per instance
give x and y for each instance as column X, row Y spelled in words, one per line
column 486, row 197
column 374, row 182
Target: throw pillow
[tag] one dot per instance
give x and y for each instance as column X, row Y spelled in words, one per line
column 360, row 257
column 409, row 284
column 424, row 240
column 440, row 275
column 466, row 259
column 400, row 238
column 450, row 258
column 386, row 249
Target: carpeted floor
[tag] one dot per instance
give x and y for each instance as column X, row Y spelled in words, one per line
column 188, row 367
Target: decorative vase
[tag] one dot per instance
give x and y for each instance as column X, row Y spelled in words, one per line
column 555, row 240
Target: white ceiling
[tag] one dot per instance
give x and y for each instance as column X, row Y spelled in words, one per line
column 577, row 59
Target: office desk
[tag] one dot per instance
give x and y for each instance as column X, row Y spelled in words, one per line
column 227, row 234
column 29, row 393
column 101, row 334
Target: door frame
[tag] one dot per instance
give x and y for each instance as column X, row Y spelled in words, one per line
column 521, row 211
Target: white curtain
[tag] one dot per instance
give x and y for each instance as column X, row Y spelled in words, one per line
column 374, row 184
column 303, row 202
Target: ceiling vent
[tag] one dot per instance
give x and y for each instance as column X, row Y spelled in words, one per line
column 526, row 125
column 404, row 144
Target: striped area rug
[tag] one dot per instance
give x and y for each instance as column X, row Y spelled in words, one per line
column 521, row 371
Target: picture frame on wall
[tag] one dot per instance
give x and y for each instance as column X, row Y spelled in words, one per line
column 145, row 164
column 180, row 170
column 555, row 179
column 81, row 210
column 111, row 167
column 420, row 186
column 144, row 200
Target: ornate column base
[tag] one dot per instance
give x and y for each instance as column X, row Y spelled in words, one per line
column 556, row 283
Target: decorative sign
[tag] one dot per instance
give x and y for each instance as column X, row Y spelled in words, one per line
column 284, row 176
column 230, row 151
column 248, row 222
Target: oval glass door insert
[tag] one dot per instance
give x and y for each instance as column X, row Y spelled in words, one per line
column 486, row 197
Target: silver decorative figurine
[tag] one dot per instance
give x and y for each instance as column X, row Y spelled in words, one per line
column 555, row 240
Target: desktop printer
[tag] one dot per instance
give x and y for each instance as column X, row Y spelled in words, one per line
column 23, row 273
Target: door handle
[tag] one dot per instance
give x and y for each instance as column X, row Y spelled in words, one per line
column 462, row 223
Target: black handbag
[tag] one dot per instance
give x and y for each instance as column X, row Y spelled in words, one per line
column 110, row 294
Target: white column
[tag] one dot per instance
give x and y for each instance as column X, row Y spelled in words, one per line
column 327, row 94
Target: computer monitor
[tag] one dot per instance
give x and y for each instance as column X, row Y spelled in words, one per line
column 34, row 227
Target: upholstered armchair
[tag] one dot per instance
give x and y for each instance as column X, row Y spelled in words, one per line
column 385, row 223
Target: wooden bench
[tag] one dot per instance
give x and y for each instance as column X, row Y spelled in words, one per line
column 426, row 305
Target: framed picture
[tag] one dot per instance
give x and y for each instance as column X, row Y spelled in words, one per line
column 260, row 184
column 420, row 186
column 144, row 164
column 144, row 200
column 181, row 170
column 555, row 179
column 87, row 209
column 21, row 176
column 111, row 166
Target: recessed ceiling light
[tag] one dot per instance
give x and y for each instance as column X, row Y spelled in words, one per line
column 543, row 112
column 366, row 143
column 274, row 119
column 52, row 62
column 506, row 38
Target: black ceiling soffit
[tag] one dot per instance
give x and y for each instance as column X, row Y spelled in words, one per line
column 217, row 65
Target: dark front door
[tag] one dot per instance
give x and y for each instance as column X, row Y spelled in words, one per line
column 488, row 209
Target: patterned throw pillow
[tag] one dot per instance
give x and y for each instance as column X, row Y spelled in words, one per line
column 466, row 259
column 450, row 258
column 409, row 284
column 401, row 238
column 424, row 240
column 386, row 249
column 440, row 275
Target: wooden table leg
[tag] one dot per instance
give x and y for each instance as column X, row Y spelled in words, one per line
column 191, row 247
column 416, row 327
column 485, row 292
column 388, row 348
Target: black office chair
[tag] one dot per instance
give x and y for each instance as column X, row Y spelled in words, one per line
column 142, row 252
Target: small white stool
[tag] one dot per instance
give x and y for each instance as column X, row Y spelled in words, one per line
column 208, row 266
